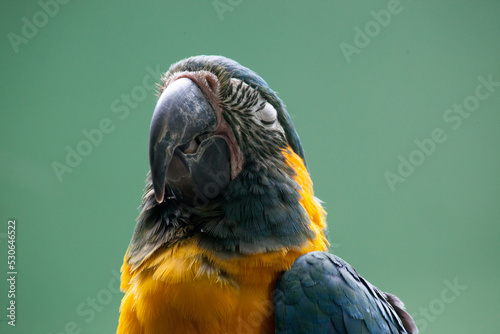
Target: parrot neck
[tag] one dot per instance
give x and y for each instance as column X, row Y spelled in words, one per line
column 169, row 269
column 263, row 210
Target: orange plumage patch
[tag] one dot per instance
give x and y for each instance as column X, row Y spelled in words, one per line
column 186, row 289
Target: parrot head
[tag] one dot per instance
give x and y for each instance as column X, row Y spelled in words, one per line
column 218, row 148
column 213, row 116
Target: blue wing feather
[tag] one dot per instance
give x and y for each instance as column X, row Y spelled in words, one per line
column 322, row 293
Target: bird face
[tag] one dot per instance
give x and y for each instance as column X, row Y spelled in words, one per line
column 227, row 166
column 213, row 116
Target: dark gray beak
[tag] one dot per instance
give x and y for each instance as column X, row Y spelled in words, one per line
column 182, row 153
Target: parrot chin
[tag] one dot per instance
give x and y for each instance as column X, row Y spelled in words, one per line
column 197, row 178
column 188, row 162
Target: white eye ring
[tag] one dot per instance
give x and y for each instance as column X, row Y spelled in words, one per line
column 267, row 115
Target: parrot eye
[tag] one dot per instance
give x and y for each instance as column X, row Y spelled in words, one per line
column 266, row 113
column 247, row 98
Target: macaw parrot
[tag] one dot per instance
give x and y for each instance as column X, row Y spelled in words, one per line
column 230, row 238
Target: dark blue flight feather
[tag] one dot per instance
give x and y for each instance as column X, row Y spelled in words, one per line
column 322, row 293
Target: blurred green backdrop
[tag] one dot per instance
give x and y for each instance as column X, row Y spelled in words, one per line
column 363, row 81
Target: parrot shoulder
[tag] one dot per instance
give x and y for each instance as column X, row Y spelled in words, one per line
column 322, row 293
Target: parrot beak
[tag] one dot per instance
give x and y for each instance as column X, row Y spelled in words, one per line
column 183, row 155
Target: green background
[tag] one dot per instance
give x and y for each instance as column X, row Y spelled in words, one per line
column 355, row 119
